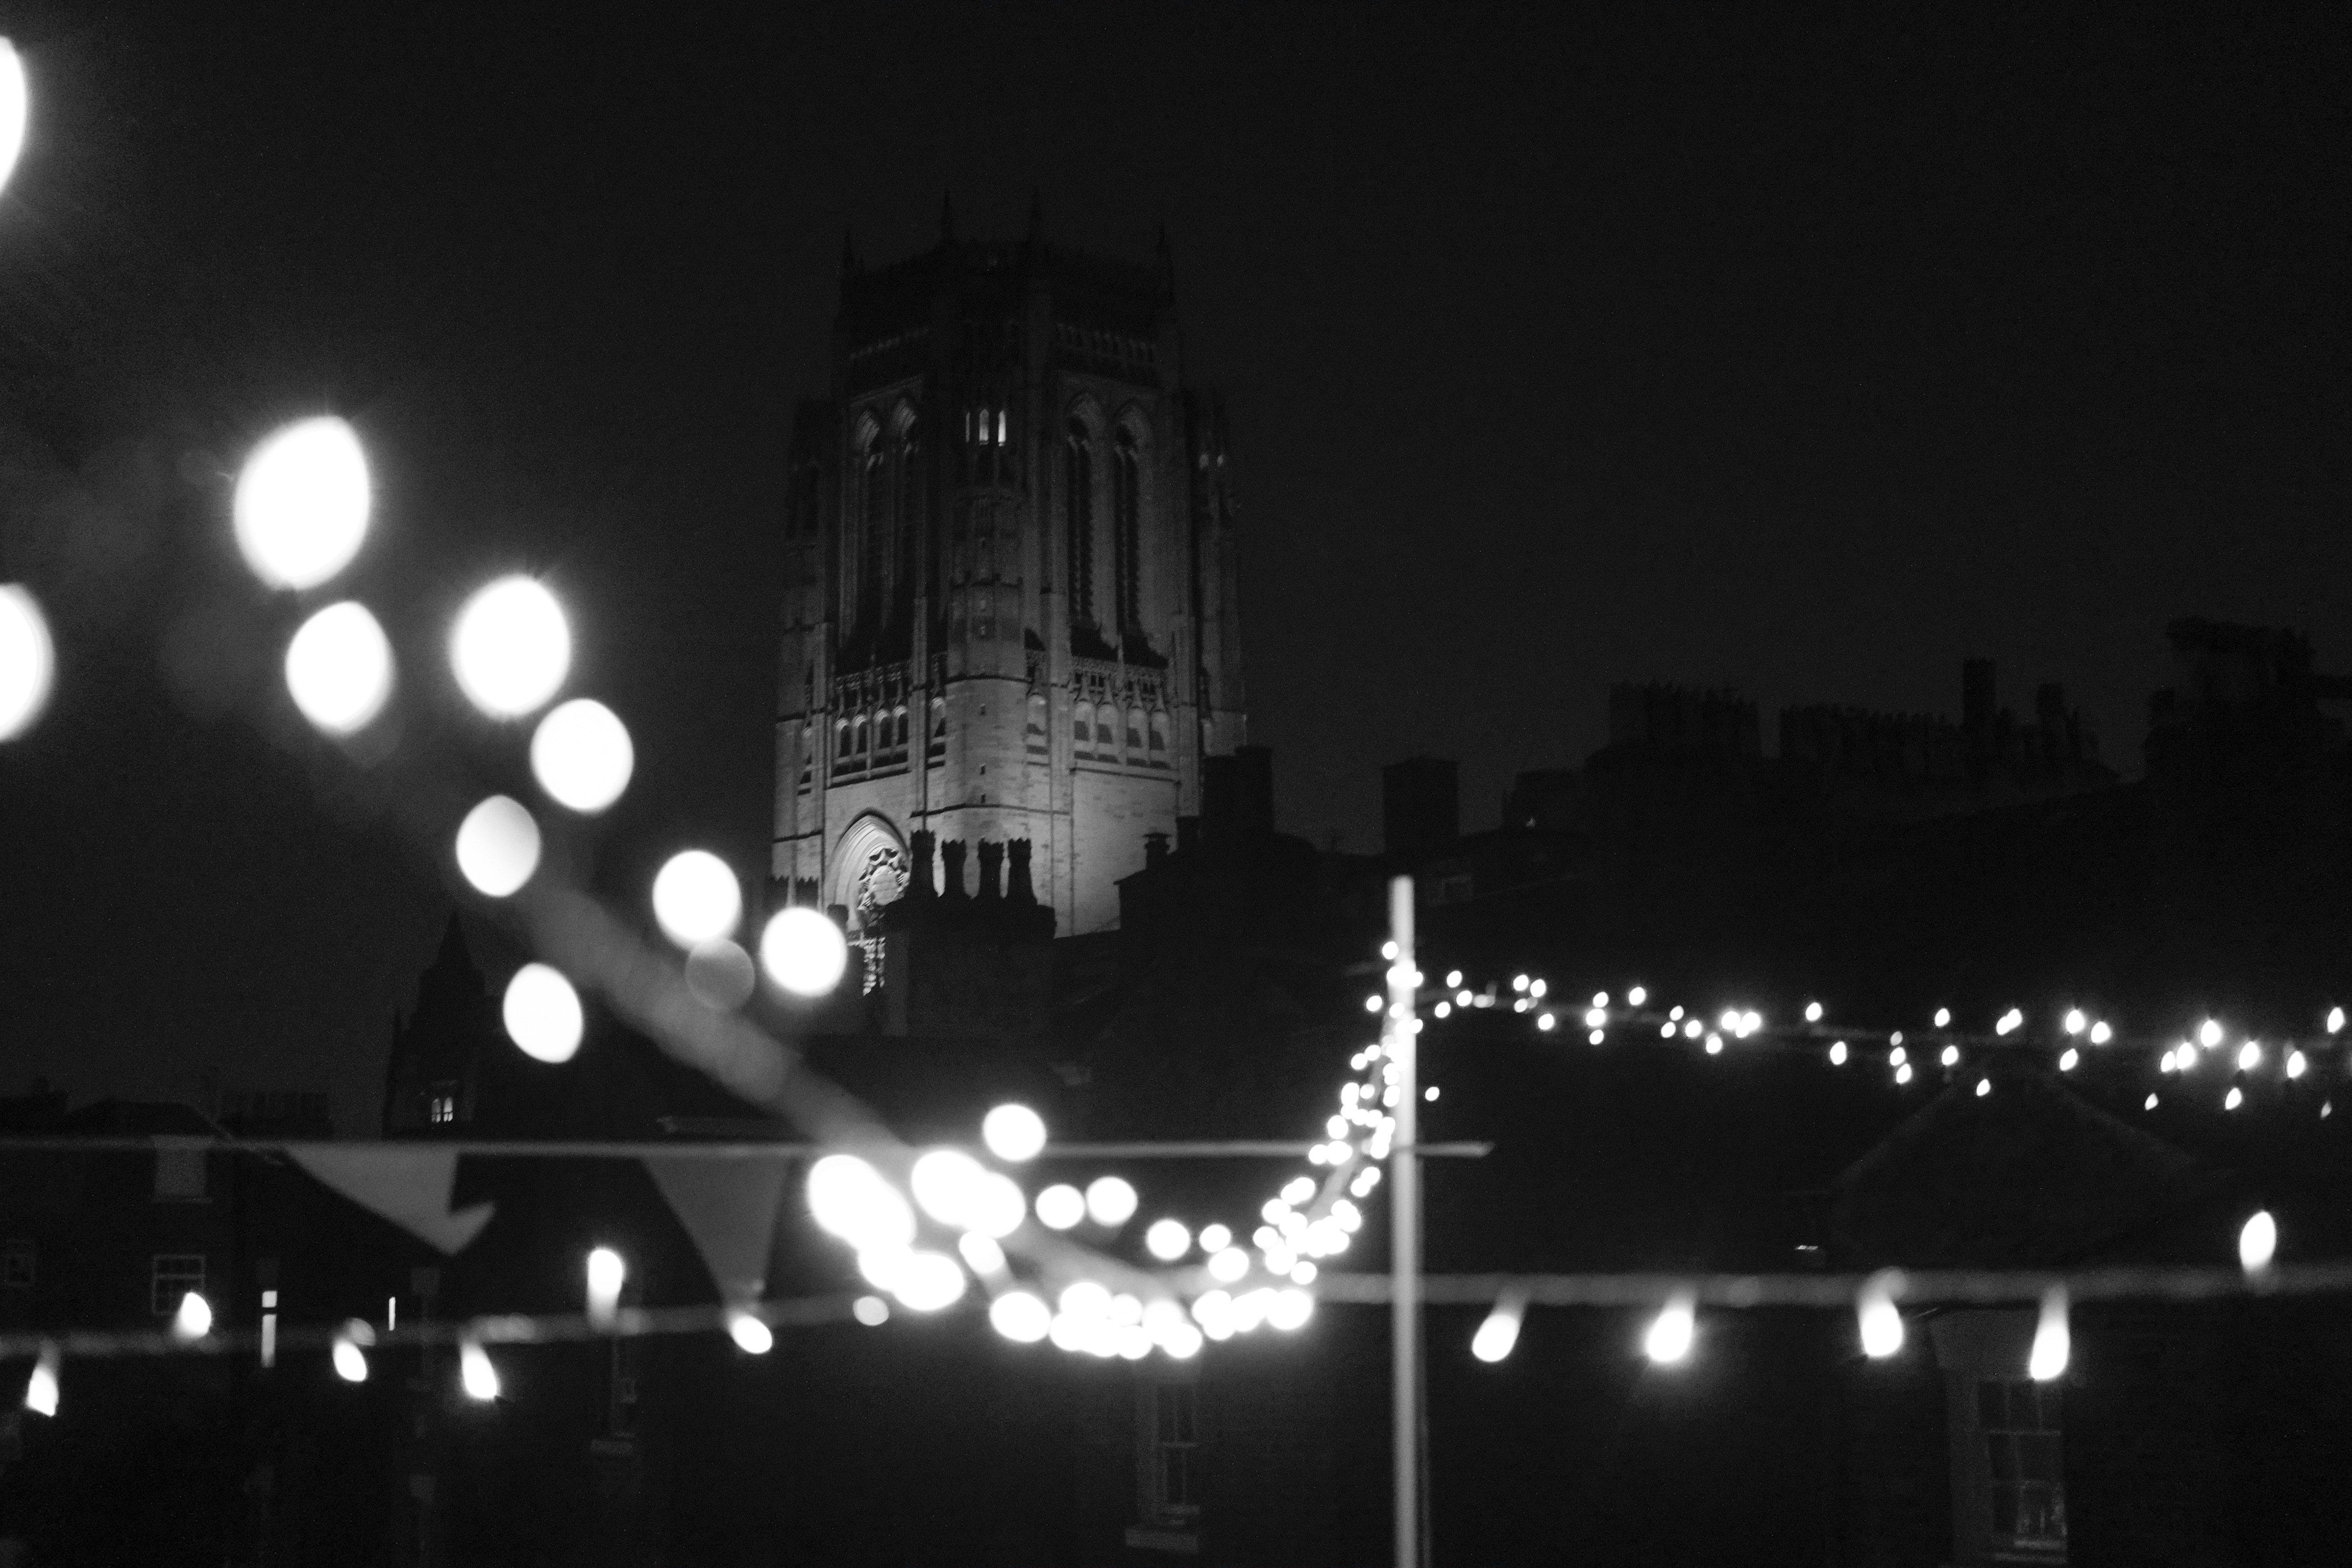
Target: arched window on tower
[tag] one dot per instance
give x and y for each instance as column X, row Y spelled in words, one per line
column 936, row 748
column 1082, row 727
column 873, row 514
column 911, row 522
column 1032, row 737
column 1135, row 734
column 1079, row 508
column 1127, row 528
column 1159, row 737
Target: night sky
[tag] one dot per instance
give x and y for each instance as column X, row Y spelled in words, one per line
column 1721, row 348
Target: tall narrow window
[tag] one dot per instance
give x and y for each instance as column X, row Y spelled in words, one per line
column 910, row 528
column 1126, row 528
column 1078, row 489
column 874, row 515
column 1082, row 727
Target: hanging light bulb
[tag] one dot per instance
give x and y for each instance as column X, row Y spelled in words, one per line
column 28, row 657
column 1671, row 1333
column 606, row 1272
column 1499, row 1334
column 479, row 1378
column 2052, row 1344
column 752, row 1336
column 350, row 1357
column 1881, row 1319
column 41, row 1388
column 193, row 1321
column 2258, row 1243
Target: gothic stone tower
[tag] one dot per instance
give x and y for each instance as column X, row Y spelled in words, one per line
column 1010, row 601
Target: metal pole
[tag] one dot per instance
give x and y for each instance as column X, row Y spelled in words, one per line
column 1404, row 1208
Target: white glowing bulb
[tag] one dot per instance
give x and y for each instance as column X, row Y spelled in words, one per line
column 28, row 658
column 752, row 1336
column 581, row 755
column 1297, row 1189
column 2234, row 1099
column 1984, row 1087
column 1110, row 1201
column 41, row 1388
column 1897, row 1056
column 871, row 1311
column 606, row 1272
column 1060, row 1206
column 2334, row 1020
column 193, row 1321
column 1544, row 1021
column 1714, row 1045
column 1372, row 1003
column 2296, row 1064
column 1518, row 982
column 475, row 1370
column 2183, row 1057
column 1388, row 951
column 1594, row 1018
column 1535, row 988
column 2208, row 1034
column 1636, row 997
column 1228, row 1264
column 498, row 846
column 1951, row 1056
column 1943, row 1016
column 2101, row 1034
column 1670, row 1333
column 338, row 668
column 2249, row 1057
column 15, row 108
column 848, row 1198
column 1728, row 1023
column 1014, row 1132
column 1168, row 1240
column 982, row 1254
column 1881, row 1319
column 351, row 1361
column 542, row 1014
column 804, row 951
column 2075, row 1023
column 1183, row 1342
column 2068, row 1058
column 1837, row 1054
column 1020, row 1317
column 1289, row 1309
column 945, row 1182
column 1214, row 1238
column 1452, row 978
column 2148, row 1104
column 1812, row 1012
column 2258, row 1242
column 695, row 898
column 927, row 1281
column 301, row 506
column 2051, row 1343
column 1498, row 1334
column 512, row 647
column 1902, row 1073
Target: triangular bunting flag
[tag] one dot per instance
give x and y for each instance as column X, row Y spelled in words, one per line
column 728, row 1207
column 408, row 1185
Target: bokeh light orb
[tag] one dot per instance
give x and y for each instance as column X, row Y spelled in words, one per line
column 1014, row 1132
column 338, row 668
column 582, row 756
column 475, row 1372
column 28, row 660
column 1061, row 1206
column 946, row 1182
column 1168, row 1240
column 1020, row 1317
column 721, row 975
column 351, row 1361
column 997, row 1206
column 2258, row 1242
column 752, row 1336
column 804, row 951
column 512, row 647
column 848, row 1198
column 193, row 1321
column 695, row 898
column 302, row 502
column 542, row 1014
column 871, row 1311
column 928, row 1281
column 498, row 846
column 15, row 108
column 1110, row 1201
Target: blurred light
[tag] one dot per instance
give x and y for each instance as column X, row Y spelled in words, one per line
column 542, row 1014
column 1535, row 988
column 1714, row 1045
column 338, row 668
column 1951, row 1056
column 2234, row 1099
column 1749, row 1022
column 946, row 1182
column 28, row 660
column 1518, row 982
column 2075, row 1022
column 1110, row 1201
column 2334, row 1020
column 2067, row 1059
column 1691, row 1027
column 1837, row 1054
column 1215, row 1237
column 1499, row 1333
column 41, row 1388
column 1594, row 1018
column 1897, row 1057
column 2148, row 1104
column 871, row 1311
column 720, row 974
column 804, row 951
column 2101, row 1034
column 1636, row 997
column 1430, row 1093
column 1671, row 1333
column 752, row 1336
column 1812, row 1012
column 1881, row 1320
column 2296, row 1064
column 510, row 649
column 1126, row 1308
column 2249, row 1057
column 1020, row 1317
column 1902, row 1073
column 2208, row 1034
column 927, row 1281
column 2258, row 1242
column 581, row 755
column 475, row 1370
column 2183, row 1057
column 848, row 1198
column 1302, row 1273
column 1388, row 951
column 1183, row 1342
column 15, row 108
column 1060, row 1206
column 982, row 1254
column 1943, row 1016
column 351, row 1361
column 498, row 846
column 1984, row 1087
column 1601, row 998
column 1086, row 1300
column 2009, row 1021
column 301, row 506
column 1228, row 1264
column 1372, row 1003
column 2052, row 1344
column 1014, row 1132
column 1728, row 1023
column 1297, row 1189
column 996, row 1208
column 1544, row 1021
column 193, row 1321
column 606, row 1273
column 1168, row 1240
column 1289, row 1309
column 695, row 898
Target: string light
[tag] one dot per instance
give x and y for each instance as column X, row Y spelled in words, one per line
column 2234, row 1099
column 1060, row 1206
column 1880, row 1322
column 606, row 1273
column 2257, row 1243
column 752, row 1336
column 2208, row 1034
column 348, row 1356
column 1110, row 1201
column 983, row 1254
column 1013, row 1133
column 1215, row 1238
column 2051, row 1343
column 498, row 846
column 695, row 898
column 1812, row 1012
column 849, row 1199
column 301, row 511
column 479, row 1378
column 542, row 1013
column 2067, row 1059
column 581, row 755
column 2249, row 1057
column 1671, row 1333
column 2075, row 1023
column 27, row 657
column 41, row 1388
column 871, row 1311
column 1499, row 1334
column 510, row 647
column 1943, row 1016
column 338, row 668
column 1166, row 1240
column 14, row 106
column 2101, row 1034
column 193, row 1319
column 1837, row 1054
column 804, row 951
column 1020, row 1317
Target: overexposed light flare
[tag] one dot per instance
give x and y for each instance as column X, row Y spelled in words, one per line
column 752, row 1335
column 338, row 668
column 193, row 1321
column 28, row 660
column 581, row 755
column 848, row 1198
column 1671, row 1333
column 498, row 846
column 928, row 1281
column 871, row 1311
column 1110, row 1201
column 476, row 1373
column 804, row 951
column 1880, row 1320
column 1060, row 1206
column 695, row 898
column 1020, row 1317
column 945, row 1182
column 41, row 1388
column 510, row 647
column 2257, row 1242
column 982, row 1254
column 1499, row 1334
column 1013, row 1133
column 606, row 1274
column 2052, row 1344
column 542, row 1014
column 1168, row 1240
column 302, row 499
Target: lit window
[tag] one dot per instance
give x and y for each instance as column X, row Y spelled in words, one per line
column 2018, row 1420
column 173, row 1275
column 1170, row 1426
column 1000, row 426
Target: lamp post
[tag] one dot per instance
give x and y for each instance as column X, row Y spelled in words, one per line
column 1401, row 1048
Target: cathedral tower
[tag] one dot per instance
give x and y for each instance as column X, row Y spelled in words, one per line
column 1010, row 599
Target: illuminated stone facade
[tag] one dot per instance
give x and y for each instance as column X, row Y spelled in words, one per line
column 1010, row 598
